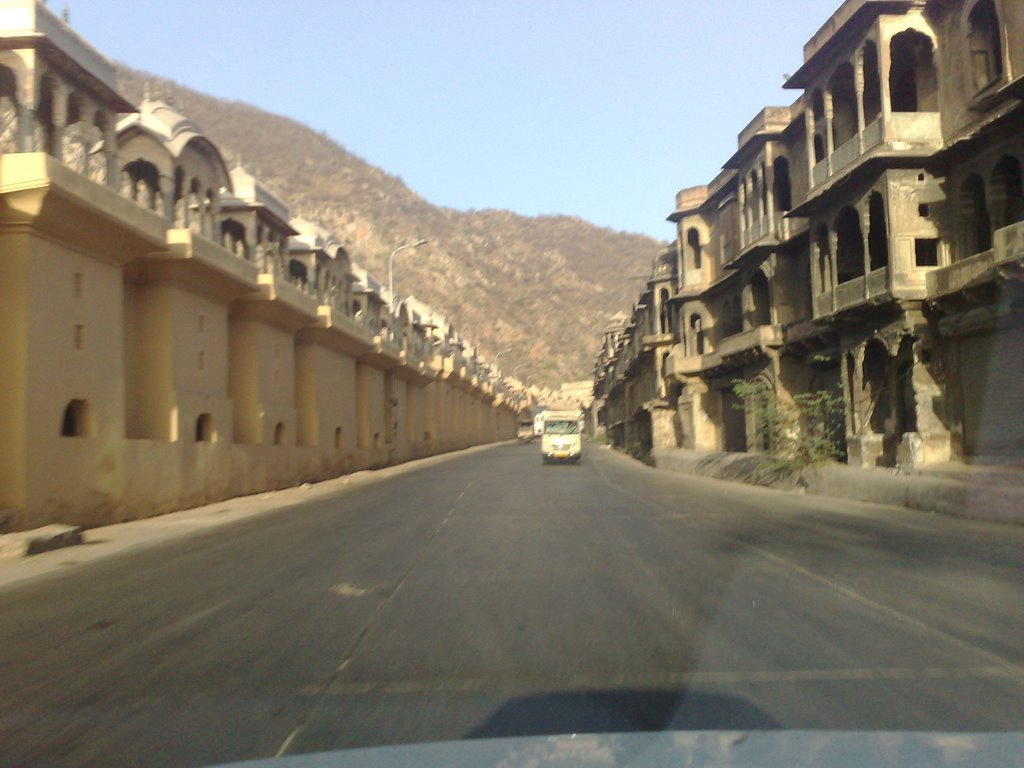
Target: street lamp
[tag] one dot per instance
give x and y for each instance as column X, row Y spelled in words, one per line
column 497, row 357
column 391, row 280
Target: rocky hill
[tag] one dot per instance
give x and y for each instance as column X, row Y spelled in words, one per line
column 542, row 287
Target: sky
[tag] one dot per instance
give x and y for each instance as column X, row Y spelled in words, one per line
column 600, row 109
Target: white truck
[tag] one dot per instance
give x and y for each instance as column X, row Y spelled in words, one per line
column 561, row 438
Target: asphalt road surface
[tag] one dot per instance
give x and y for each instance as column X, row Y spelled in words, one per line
column 490, row 595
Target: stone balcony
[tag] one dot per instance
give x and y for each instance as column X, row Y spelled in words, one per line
column 1008, row 247
column 758, row 337
column 679, row 364
column 919, row 133
column 653, row 340
column 771, row 229
column 871, row 288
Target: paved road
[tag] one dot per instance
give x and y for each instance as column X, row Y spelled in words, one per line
column 490, row 595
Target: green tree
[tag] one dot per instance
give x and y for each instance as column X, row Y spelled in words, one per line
column 795, row 434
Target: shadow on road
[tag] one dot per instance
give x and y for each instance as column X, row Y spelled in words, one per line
column 621, row 711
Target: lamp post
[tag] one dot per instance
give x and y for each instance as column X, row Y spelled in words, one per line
column 391, row 282
column 497, row 357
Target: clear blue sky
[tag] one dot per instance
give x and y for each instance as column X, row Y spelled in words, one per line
column 593, row 108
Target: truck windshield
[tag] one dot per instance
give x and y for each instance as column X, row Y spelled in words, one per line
column 561, row 427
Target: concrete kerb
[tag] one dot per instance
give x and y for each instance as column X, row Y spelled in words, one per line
column 136, row 535
column 977, row 500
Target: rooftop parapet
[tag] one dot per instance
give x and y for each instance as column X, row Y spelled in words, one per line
column 251, row 190
column 688, row 200
column 30, row 23
column 850, row 17
column 770, row 121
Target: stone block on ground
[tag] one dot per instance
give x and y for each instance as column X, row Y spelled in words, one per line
column 39, row 540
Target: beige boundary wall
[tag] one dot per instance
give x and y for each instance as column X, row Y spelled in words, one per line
column 146, row 369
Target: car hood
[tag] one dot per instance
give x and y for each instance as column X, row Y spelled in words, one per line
column 686, row 749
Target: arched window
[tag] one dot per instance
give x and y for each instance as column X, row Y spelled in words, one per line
column 872, row 83
column 760, row 300
column 732, row 317
column 9, row 112
column 44, row 117
column 913, row 82
column 693, row 247
column 878, row 237
column 975, row 224
column 279, row 432
column 849, row 245
column 818, row 109
column 143, row 183
column 781, row 189
column 205, row 432
column 696, row 335
column 78, row 420
column 844, row 104
column 297, row 273
column 232, row 234
column 74, row 149
column 985, row 44
column 876, row 384
column 1007, row 195
column 339, row 438
column 96, row 164
column 824, row 254
column 664, row 314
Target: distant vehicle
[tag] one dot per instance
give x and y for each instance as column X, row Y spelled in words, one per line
column 524, row 433
column 561, row 438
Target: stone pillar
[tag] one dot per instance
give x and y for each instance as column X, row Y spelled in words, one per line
column 864, row 209
column 858, row 86
column 769, row 184
column 833, row 260
column 830, row 142
column 809, row 130
column 744, row 222
column 884, row 65
column 60, row 118
column 26, row 117
column 111, row 159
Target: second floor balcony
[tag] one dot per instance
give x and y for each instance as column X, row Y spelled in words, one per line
column 680, row 364
column 1007, row 248
column 758, row 338
column 918, row 133
column 871, row 288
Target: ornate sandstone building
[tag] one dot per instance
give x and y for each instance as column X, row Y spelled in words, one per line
column 867, row 240
column 169, row 336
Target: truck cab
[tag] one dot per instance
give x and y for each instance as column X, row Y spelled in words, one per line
column 561, row 437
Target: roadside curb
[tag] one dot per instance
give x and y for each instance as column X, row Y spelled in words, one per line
column 135, row 535
column 977, row 500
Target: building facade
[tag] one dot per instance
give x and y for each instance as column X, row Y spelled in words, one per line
column 170, row 335
column 864, row 241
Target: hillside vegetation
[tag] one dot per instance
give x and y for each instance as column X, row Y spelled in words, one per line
column 543, row 287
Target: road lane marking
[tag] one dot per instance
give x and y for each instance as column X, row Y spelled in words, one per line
column 898, row 616
column 847, row 592
column 349, row 590
column 332, row 681
column 283, row 749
